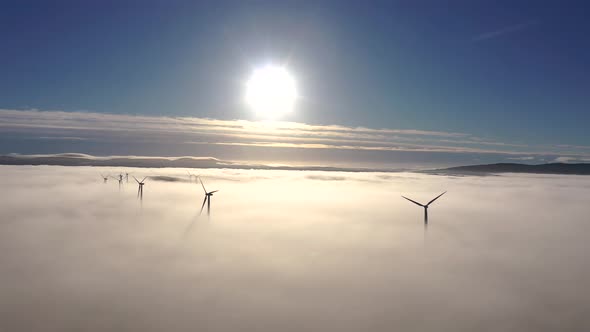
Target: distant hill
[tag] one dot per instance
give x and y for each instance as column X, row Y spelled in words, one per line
column 553, row 168
column 78, row 159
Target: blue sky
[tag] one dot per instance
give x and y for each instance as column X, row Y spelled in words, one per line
column 513, row 71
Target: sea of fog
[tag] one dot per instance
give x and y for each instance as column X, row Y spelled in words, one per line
column 292, row 251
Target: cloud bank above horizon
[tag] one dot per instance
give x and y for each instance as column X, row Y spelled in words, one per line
column 291, row 251
column 38, row 132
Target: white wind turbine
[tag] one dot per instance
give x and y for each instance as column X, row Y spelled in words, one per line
column 191, row 176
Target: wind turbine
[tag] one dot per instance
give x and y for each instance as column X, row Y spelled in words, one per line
column 207, row 199
column 105, row 178
column 140, row 188
column 191, row 175
column 425, row 207
column 127, row 177
column 120, row 179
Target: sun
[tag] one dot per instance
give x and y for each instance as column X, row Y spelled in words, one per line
column 271, row 91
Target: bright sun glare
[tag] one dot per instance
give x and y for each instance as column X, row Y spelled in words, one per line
column 271, row 91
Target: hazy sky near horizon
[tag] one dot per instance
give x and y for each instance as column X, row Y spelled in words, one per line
column 290, row 143
column 292, row 251
column 508, row 72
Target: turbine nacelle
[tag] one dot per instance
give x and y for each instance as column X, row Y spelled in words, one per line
column 141, row 183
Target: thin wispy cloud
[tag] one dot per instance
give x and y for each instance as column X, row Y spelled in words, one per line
column 504, row 31
column 405, row 148
column 525, row 158
column 59, row 138
column 569, row 159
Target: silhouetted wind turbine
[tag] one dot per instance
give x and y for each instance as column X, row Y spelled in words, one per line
column 120, row 179
column 140, row 188
column 207, row 199
column 425, row 206
column 105, row 178
column 127, row 177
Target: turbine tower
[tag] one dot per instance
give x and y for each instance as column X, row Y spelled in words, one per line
column 207, row 199
column 140, row 188
column 425, row 206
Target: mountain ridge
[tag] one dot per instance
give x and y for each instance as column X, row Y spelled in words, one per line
column 548, row 168
column 78, row 159
column 75, row 159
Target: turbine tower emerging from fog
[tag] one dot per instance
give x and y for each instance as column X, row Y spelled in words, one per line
column 425, row 206
column 127, row 177
column 207, row 199
column 120, row 179
column 140, row 188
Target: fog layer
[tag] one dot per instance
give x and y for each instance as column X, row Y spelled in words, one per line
column 291, row 251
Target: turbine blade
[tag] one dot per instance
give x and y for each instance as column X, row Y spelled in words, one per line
column 144, row 179
column 138, row 190
column 214, row 191
column 435, row 198
column 136, row 179
column 202, row 206
column 413, row 201
column 203, row 185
